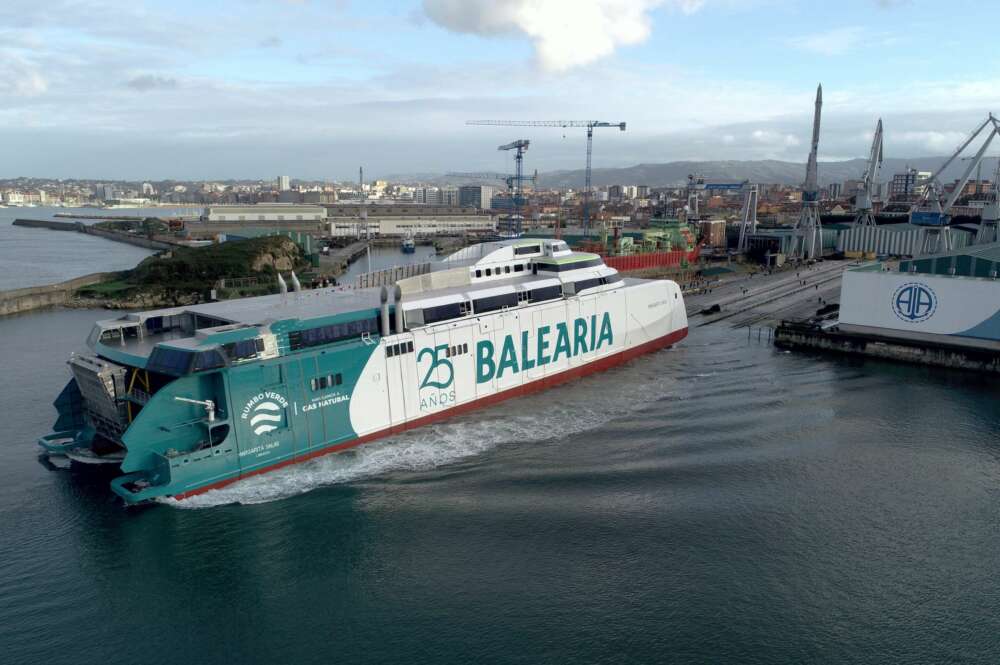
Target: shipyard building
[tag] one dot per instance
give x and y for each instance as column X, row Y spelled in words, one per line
column 361, row 221
column 949, row 299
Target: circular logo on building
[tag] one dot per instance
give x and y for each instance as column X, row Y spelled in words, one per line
column 914, row 302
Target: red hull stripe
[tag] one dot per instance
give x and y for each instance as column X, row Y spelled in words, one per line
column 535, row 386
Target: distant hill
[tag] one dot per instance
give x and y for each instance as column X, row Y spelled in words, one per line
column 768, row 171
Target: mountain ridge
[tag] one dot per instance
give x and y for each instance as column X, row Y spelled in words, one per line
column 668, row 174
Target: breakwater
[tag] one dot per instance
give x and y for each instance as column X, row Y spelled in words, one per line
column 15, row 301
column 80, row 227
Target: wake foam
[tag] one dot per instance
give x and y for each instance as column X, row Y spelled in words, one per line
column 553, row 414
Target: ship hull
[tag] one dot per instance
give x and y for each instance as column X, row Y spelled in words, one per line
column 330, row 397
column 550, row 381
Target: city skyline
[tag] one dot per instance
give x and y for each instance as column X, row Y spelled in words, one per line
column 251, row 89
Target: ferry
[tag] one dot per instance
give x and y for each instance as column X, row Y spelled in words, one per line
column 192, row 398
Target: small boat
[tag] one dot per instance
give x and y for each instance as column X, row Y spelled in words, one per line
column 408, row 246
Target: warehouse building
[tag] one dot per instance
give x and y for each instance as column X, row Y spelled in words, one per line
column 950, row 299
column 264, row 212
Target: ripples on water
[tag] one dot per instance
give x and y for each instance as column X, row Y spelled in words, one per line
column 717, row 502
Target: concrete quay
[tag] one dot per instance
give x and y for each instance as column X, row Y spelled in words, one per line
column 804, row 337
column 15, row 301
column 764, row 300
column 80, row 227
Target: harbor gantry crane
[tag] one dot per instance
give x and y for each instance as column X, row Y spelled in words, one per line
column 863, row 197
column 807, row 236
column 590, row 126
column 697, row 184
column 748, row 216
column 990, row 221
column 932, row 210
column 748, row 210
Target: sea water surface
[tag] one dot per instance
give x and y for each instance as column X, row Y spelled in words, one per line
column 719, row 502
column 35, row 257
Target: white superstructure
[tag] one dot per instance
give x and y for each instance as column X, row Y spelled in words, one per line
column 510, row 318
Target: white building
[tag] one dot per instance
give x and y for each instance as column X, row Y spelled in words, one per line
column 414, row 225
column 284, row 183
column 276, row 212
column 427, row 195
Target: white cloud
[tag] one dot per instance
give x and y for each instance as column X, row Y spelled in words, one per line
column 934, row 141
column 22, row 77
column 565, row 33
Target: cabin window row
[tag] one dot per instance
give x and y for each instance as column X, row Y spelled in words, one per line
column 398, row 349
column 500, row 270
column 457, row 350
column 328, row 381
column 431, row 315
column 302, row 339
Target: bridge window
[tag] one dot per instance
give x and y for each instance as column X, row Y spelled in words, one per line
column 175, row 362
column 208, row 360
column 527, row 249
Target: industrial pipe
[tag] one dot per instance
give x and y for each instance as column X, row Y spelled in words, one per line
column 399, row 309
column 384, row 310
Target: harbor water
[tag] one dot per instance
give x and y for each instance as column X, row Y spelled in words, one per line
column 35, row 257
column 717, row 502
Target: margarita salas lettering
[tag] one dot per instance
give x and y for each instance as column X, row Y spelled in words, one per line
column 550, row 345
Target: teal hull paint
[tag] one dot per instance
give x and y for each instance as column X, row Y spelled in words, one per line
column 268, row 413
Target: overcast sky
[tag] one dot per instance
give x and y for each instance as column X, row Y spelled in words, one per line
column 254, row 88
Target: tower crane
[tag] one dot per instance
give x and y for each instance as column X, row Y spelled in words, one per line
column 590, row 126
column 932, row 210
column 518, row 146
column 863, row 197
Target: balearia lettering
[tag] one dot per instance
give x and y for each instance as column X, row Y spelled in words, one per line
column 549, row 346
